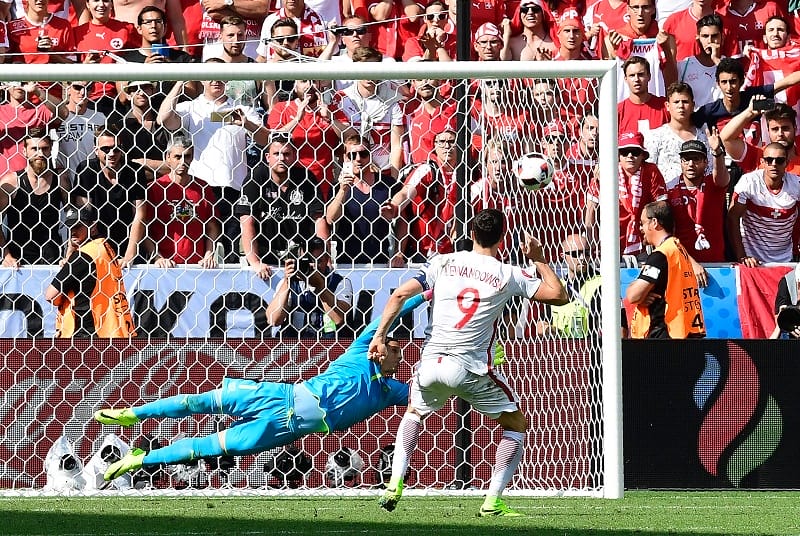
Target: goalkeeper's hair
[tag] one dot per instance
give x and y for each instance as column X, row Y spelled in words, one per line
column 488, row 226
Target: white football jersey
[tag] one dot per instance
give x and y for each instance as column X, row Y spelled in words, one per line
column 470, row 291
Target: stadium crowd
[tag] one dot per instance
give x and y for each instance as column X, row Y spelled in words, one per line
column 209, row 172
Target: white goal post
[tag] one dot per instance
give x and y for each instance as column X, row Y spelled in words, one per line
column 536, row 477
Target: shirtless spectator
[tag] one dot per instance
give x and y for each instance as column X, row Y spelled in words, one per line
column 434, row 113
column 436, row 40
column 641, row 111
column 95, row 39
column 534, row 43
column 30, row 201
column 183, row 228
column 700, row 69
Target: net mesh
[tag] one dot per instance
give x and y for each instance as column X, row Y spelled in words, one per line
column 205, row 189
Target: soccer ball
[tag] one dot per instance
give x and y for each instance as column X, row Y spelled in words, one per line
column 533, row 171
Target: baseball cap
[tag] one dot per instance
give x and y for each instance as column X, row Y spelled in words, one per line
column 86, row 214
column 570, row 21
column 693, row 147
column 631, row 139
column 487, row 28
column 554, row 128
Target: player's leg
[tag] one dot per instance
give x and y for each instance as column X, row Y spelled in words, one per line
column 492, row 396
column 427, row 394
column 174, row 406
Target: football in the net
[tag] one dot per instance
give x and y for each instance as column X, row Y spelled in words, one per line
column 533, row 171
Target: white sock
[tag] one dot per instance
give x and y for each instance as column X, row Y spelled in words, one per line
column 507, row 458
column 405, row 445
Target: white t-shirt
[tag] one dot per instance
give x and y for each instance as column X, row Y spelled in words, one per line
column 470, row 291
column 196, row 119
column 702, row 79
column 664, row 146
column 76, row 138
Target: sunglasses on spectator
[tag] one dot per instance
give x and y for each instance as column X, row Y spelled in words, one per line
column 495, row 83
column 363, row 153
column 349, row 32
column 130, row 90
column 78, row 87
column 447, row 141
column 693, row 158
column 286, row 39
column 634, row 152
column 109, row 148
column 442, row 15
column 774, row 160
column 576, row 253
column 526, row 9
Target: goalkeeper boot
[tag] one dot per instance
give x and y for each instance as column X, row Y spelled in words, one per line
column 121, row 417
column 130, row 462
column 496, row 507
column 391, row 496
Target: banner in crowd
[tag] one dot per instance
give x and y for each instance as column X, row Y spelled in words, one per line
column 711, row 414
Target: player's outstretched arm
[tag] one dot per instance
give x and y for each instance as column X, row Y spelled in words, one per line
column 362, row 341
column 391, row 312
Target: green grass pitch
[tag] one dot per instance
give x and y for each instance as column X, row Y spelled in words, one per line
column 639, row 513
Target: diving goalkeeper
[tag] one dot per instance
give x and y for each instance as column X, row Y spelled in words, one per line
column 352, row 388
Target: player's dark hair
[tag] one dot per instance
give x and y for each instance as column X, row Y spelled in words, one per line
column 782, row 111
column 730, row 66
column 662, row 213
column 710, row 20
column 488, row 226
column 635, row 60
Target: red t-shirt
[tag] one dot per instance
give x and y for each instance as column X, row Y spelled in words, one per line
column 700, row 211
column 748, row 28
column 112, row 36
column 23, row 35
column 642, row 117
column 178, row 216
column 430, row 209
column 423, row 128
column 14, row 125
column 390, row 35
column 314, row 138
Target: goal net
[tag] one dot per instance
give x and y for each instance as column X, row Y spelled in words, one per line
column 457, row 132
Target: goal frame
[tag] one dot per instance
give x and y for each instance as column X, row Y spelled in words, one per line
column 604, row 71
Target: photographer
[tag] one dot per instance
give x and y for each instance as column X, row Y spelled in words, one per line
column 311, row 299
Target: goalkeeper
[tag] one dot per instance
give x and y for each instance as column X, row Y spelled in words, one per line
column 351, row 389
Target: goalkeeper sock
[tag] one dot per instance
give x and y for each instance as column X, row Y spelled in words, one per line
column 407, row 437
column 182, row 405
column 185, row 450
column 507, row 458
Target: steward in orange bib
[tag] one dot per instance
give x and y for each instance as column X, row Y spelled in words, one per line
column 88, row 290
column 666, row 293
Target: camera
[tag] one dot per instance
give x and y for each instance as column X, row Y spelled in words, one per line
column 763, row 105
column 302, row 263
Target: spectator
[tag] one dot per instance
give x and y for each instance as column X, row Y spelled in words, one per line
column 730, row 76
column 697, row 199
column 182, row 228
column 284, row 47
column 94, row 39
column 582, row 155
column 664, row 142
column 19, row 115
column 425, row 205
column 354, row 33
column 682, row 25
column 88, row 290
column 311, row 301
column 547, row 105
column 3, row 36
column 604, row 15
column 763, row 211
column 787, row 298
column 218, row 128
column 666, row 293
column 581, row 316
column 41, row 37
column 115, row 187
column 309, row 122
column 371, row 109
column 640, row 183
column 435, row 113
column 310, row 32
column 780, row 123
column 749, row 18
column 395, row 22
column 489, row 42
column 231, row 49
column 534, row 43
column 580, row 93
column 279, row 206
column 494, row 117
column 30, row 201
column 76, row 134
column 641, row 111
column 776, row 33
column 131, row 11
column 436, row 40
column 700, row 69
column 145, row 141
column 354, row 211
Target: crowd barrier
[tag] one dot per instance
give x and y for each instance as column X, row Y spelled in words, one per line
column 198, row 303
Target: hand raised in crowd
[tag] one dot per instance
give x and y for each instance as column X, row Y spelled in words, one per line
column 93, row 56
column 532, row 248
column 544, row 54
column 750, row 261
column 593, row 30
column 714, row 141
column 615, row 39
column 155, row 58
column 432, row 39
